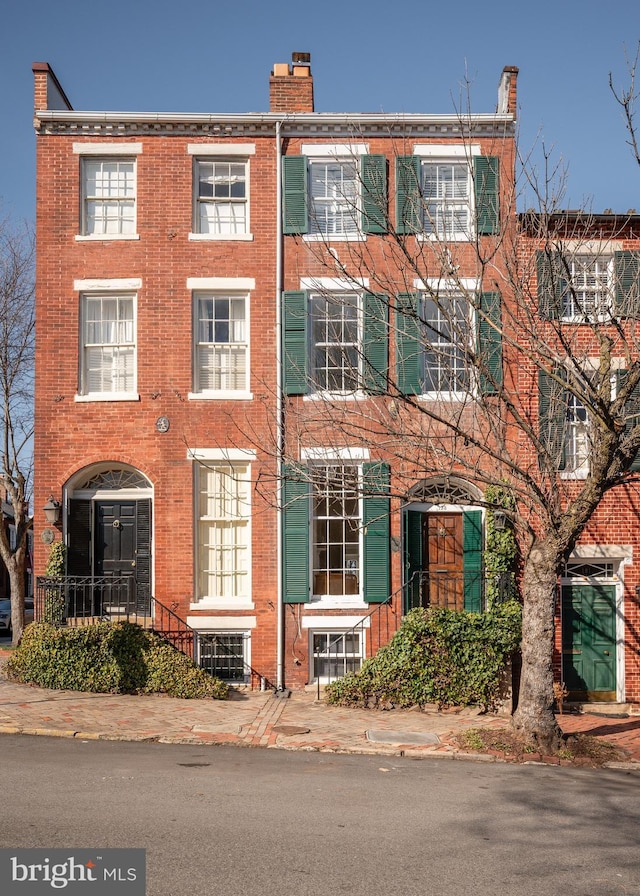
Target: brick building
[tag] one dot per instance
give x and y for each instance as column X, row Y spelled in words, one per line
column 231, row 314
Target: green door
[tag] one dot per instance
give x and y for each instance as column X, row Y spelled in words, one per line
column 589, row 641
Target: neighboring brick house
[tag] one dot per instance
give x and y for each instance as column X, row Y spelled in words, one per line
column 221, row 300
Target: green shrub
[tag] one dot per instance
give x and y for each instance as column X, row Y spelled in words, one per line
column 437, row 656
column 118, row 658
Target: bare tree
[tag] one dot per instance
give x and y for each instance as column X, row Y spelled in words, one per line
column 17, row 326
column 513, row 362
column 627, row 98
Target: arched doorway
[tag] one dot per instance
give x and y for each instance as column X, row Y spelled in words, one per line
column 108, row 527
column 443, row 545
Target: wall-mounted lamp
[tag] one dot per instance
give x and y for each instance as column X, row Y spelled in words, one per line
column 499, row 520
column 52, row 510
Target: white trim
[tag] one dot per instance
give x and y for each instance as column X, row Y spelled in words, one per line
column 222, row 623
column 107, row 149
column 104, row 238
column 233, row 283
column 335, row 284
column 221, row 149
column 232, row 455
column 338, row 622
column 338, row 602
column 100, row 285
column 214, row 237
column 107, row 396
column 443, row 284
column 446, row 150
column 341, row 454
column 334, row 149
column 227, row 395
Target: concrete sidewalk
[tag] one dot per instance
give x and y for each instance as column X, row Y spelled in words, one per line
column 255, row 719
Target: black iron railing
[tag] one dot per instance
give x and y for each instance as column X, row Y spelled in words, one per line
column 461, row 591
column 90, row 600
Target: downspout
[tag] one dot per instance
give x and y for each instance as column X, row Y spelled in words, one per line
column 279, row 414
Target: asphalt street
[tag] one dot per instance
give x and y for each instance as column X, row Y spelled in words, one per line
column 262, row 822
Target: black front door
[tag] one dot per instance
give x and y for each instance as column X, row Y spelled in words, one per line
column 122, row 548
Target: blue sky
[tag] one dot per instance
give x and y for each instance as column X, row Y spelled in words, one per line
column 366, row 55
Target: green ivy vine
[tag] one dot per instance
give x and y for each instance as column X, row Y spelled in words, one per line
column 501, row 547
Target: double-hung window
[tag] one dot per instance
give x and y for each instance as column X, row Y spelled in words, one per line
column 337, row 524
column 221, row 191
column 109, row 197
column 336, row 531
column 448, row 340
column 449, row 193
column 446, row 329
column 584, row 284
column 336, row 347
column 221, row 343
column 446, row 192
column 223, row 539
column 587, row 294
column 335, row 338
column 108, row 345
column 334, row 192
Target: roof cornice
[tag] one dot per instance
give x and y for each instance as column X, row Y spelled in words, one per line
column 132, row 123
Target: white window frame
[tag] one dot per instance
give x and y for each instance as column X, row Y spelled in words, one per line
column 333, row 634
column 336, row 154
column 336, row 299
column 576, row 432
column 452, row 155
column 325, row 600
column 238, row 464
column 221, row 287
column 92, row 289
column 234, row 154
column 108, row 152
column 465, row 290
column 603, row 292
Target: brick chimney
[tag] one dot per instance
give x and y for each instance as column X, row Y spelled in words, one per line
column 47, row 92
column 291, row 86
column 507, row 91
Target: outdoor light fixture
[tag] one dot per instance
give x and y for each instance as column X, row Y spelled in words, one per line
column 52, row 510
column 499, row 520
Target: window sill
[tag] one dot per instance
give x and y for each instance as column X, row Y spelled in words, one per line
column 220, row 396
column 220, row 237
column 336, row 396
column 334, row 238
column 337, row 602
column 108, row 396
column 444, row 396
column 218, row 603
column 576, row 475
column 442, row 238
column 105, row 237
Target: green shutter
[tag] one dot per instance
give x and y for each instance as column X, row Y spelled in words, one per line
column 487, row 191
column 295, row 535
column 413, row 558
column 408, row 194
column 552, row 415
column 374, row 194
column 552, row 283
column 632, row 413
column 295, row 347
column 408, row 345
column 627, row 284
column 295, row 214
column 472, row 558
column 376, row 343
column 376, row 524
column 490, row 342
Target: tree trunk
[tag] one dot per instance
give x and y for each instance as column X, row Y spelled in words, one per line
column 534, row 717
column 15, row 568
